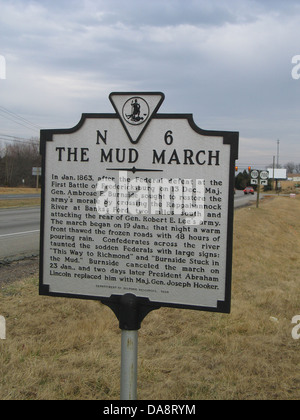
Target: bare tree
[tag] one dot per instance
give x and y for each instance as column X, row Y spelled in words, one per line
column 17, row 162
column 290, row 167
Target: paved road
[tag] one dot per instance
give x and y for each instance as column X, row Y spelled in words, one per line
column 241, row 199
column 18, row 196
column 19, row 232
column 19, row 228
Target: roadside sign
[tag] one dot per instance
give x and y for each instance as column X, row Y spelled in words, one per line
column 254, row 174
column 264, row 175
column 36, row 171
column 139, row 203
column 259, row 177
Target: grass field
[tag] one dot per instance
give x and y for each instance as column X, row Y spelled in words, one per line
column 21, row 190
column 22, row 202
column 70, row 349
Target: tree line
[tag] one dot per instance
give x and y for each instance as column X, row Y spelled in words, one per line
column 292, row 168
column 16, row 163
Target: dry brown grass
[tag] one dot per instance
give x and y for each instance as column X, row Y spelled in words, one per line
column 26, row 202
column 22, row 202
column 70, row 349
column 288, row 187
column 21, row 190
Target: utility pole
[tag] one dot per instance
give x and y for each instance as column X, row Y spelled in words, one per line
column 273, row 180
column 278, row 154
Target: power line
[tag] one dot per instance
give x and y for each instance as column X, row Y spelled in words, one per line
column 14, row 137
column 18, row 116
column 17, row 119
column 17, row 122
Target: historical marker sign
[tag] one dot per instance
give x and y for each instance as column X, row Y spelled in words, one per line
column 138, row 202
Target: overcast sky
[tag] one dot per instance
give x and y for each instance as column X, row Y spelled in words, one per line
column 229, row 63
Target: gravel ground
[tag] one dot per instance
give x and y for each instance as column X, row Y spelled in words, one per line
column 11, row 271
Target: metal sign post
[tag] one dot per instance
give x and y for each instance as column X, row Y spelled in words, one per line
column 130, row 312
column 259, row 178
column 129, row 352
column 129, row 347
column 37, row 172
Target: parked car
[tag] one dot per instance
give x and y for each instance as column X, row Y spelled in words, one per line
column 248, row 190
